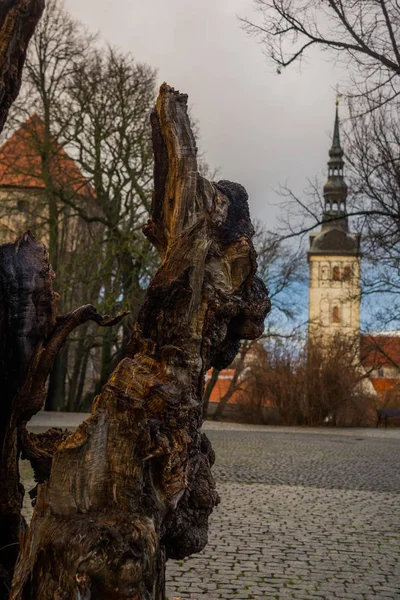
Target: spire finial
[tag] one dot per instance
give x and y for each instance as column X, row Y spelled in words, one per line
column 336, row 147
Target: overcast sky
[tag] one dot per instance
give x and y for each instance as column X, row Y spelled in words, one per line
column 259, row 128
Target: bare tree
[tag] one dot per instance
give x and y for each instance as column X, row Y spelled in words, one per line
column 373, row 151
column 312, row 384
column 58, row 45
column 363, row 33
column 365, row 36
column 105, row 123
column 92, row 103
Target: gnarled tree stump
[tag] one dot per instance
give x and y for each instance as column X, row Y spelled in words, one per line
column 133, row 486
column 31, row 336
column 18, row 19
column 27, row 314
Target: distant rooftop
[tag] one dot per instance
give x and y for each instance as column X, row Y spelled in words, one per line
column 380, row 349
column 21, row 164
column 392, row 333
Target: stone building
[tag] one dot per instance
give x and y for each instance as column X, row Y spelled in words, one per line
column 34, row 181
column 42, row 189
column 334, row 259
column 380, row 357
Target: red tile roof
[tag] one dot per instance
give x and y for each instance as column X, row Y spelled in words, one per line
column 21, row 165
column 384, row 384
column 221, row 387
column 388, row 391
column 380, row 350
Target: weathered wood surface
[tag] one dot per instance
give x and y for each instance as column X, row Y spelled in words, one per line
column 18, row 19
column 133, row 486
column 27, row 314
column 31, row 335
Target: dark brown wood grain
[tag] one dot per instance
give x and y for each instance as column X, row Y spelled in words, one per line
column 133, row 485
column 18, row 19
column 31, row 336
column 27, row 315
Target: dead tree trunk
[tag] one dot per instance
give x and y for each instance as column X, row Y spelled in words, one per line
column 27, row 313
column 18, row 19
column 132, row 486
column 30, row 338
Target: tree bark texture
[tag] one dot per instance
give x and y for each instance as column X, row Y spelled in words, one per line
column 27, row 313
column 133, row 486
column 31, row 336
column 18, row 19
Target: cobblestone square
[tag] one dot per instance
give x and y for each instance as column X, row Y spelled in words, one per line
column 304, row 514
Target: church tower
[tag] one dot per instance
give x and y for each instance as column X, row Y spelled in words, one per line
column 334, row 259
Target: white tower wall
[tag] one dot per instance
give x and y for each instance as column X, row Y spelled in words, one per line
column 334, row 296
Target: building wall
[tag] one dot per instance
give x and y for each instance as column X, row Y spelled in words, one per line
column 22, row 209
column 334, row 296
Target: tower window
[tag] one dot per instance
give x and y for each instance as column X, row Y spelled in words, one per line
column 335, row 315
column 336, row 273
column 347, row 273
column 325, row 272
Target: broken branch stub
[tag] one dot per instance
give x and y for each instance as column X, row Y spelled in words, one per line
column 133, row 486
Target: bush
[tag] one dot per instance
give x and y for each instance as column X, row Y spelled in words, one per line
column 310, row 386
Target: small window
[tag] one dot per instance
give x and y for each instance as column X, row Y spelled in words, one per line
column 22, row 206
column 336, row 273
column 325, row 272
column 347, row 273
column 335, row 315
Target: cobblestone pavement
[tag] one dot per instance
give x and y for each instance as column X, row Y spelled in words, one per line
column 304, row 514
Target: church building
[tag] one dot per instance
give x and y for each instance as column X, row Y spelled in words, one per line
column 334, row 259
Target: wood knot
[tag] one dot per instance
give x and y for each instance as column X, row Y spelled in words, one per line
column 83, row 582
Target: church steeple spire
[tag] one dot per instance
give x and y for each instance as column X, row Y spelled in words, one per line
column 335, row 189
column 336, row 147
column 334, row 258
